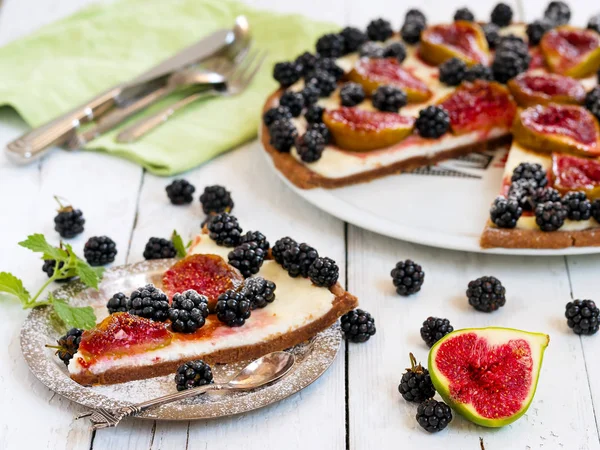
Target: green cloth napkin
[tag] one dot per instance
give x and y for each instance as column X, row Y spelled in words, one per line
column 65, row 63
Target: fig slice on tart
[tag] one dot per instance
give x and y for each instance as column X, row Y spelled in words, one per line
column 571, row 51
column 558, row 128
column 460, row 39
column 361, row 130
column 479, row 106
column 531, row 89
column 374, row 72
column 574, row 173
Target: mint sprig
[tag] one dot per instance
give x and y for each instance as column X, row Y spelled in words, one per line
column 180, row 247
column 67, row 265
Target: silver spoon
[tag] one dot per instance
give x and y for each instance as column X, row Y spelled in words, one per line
column 258, row 373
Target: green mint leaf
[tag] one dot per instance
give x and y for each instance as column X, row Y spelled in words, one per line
column 74, row 316
column 99, row 272
column 37, row 243
column 87, row 275
column 189, row 244
column 178, row 243
column 13, row 286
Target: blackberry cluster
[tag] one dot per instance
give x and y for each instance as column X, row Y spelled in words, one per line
column 310, row 94
column 324, row 81
column 578, row 206
column 258, row 291
column 69, row 222
column 358, row 326
column 310, row 146
column 193, row 374
column 68, row 345
column 225, row 230
column 537, row 29
column 149, row 302
column 414, row 15
column 432, row 122
column 247, row 258
column 307, row 62
column 415, row 385
column 371, row 50
column 453, row 71
column 287, row 73
column 314, row 114
column 280, row 247
column 558, row 13
column 594, row 23
column 550, row 216
column 435, row 328
column 505, row 212
column 329, row 65
column 99, row 250
column 433, row 416
column 258, row 237
column 509, row 62
column 324, row 272
column 486, row 294
column 596, row 210
column 330, row 45
column 478, row 72
column 180, row 192
column 294, row 101
column 523, row 191
column 188, row 311
column 322, row 129
column 592, row 102
column 408, row 277
column 49, row 266
column 298, row 258
column 464, row 14
column 502, row 15
column 411, row 31
column 276, row 113
column 351, row 94
column 389, row 98
column 159, row 248
column 582, row 316
column 492, row 34
column 283, row 133
column 379, row 30
column 543, row 195
column 353, row 39
column 233, row 308
column 216, row 199
column 118, row 303
column 529, row 171
column 395, row 50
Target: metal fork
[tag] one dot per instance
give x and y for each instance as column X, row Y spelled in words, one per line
column 236, row 83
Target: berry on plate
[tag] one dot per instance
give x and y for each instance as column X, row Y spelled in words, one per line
column 149, row 302
column 188, row 311
column 193, row 374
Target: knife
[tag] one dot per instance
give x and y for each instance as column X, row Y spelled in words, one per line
column 36, row 143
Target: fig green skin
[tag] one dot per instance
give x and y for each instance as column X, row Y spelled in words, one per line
column 444, row 389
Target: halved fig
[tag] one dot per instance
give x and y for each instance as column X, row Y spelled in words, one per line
column 372, row 73
column 571, row 51
column 460, row 39
column 488, row 375
column 480, row 105
column 531, row 89
column 359, row 130
column 573, row 173
column 558, row 128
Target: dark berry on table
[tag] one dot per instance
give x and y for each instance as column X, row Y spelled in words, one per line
column 353, row 39
column 188, row 311
column 287, row 73
column 314, row 114
column 216, row 199
column 49, row 266
column 508, row 64
column 330, row 45
column 433, row 416
column 259, row 292
column 281, row 245
column 310, row 94
column 543, row 195
column 414, row 15
column 432, row 122
column 379, row 30
column 550, row 216
column 464, row 14
column 594, row 23
column 99, row 250
column 225, row 230
column 478, row 72
column 452, row 72
column 558, row 13
column 411, row 31
column 258, row 237
column 492, row 34
column 505, row 212
column 149, row 302
column 537, row 29
column 323, row 81
column 486, row 294
column 307, row 61
column 415, row 385
column 193, row 374
column 283, row 133
column 329, row 65
column 310, row 146
column 358, row 325
column 322, row 129
column 159, row 248
column 247, row 258
column 118, row 303
column 435, row 328
column 408, row 277
column 68, row 345
column 529, row 171
column 324, row 272
column 180, row 192
column 596, row 210
column 395, row 50
column 294, row 101
column 371, row 50
column 582, row 316
column 69, row 222
column 276, row 113
column 592, row 102
column 502, row 15
column 523, row 191
column 233, row 308
column 297, row 259
column 578, row 206
column 351, row 94
column 389, row 98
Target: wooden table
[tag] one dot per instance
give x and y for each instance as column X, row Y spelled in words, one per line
column 355, row 405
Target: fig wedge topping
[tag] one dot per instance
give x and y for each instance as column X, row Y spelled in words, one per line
column 531, row 89
column 571, row 51
column 573, row 173
column 460, row 39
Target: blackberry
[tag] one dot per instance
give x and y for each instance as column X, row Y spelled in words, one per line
column 307, row 61
column 452, row 72
column 407, row 277
column 529, row 171
column 287, row 73
column 188, row 311
column 464, row 14
column 358, row 325
column 216, row 199
column 314, row 114
column 280, row 247
column 486, row 294
column 99, row 250
column 582, row 316
column 433, row 416
column 193, row 374
column 558, row 13
column 180, row 192
column 323, row 81
column 578, row 206
column 505, row 212
column 258, row 237
column 395, row 50
column 247, row 258
column 294, row 101
column 596, row 210
column 225, row 230
column 323, row 272
column 68, row 345
column 478, row 72
column 379, row 30
column 594, row 23
column 492, row 35
column 592, row 102
column 352, row 94
column 550, row 216
column 353, row 39
column 310, row 146
column 416, row 385
column 515, row 44
column 276, row 113
column 389, row 98
column 414, row 15
column 233, row 308
column 330, row 45
column 502, row 15
column 432, row 122
column 149, row 302
column 310, row 94
column 322, row 129
column 49, row 266
column 259, row 292
column 283, row 133
column 434, row 329
column 508, row 64
column 411, row 31
column 371, row 50
column 537, row 29
column 118, row 303
column 159, row 248
column 543, row 195
column 523, row 191
column 69, row 222
column 298, row 258
column 329, row 66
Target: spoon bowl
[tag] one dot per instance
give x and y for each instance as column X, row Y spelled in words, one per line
column 263, row 371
